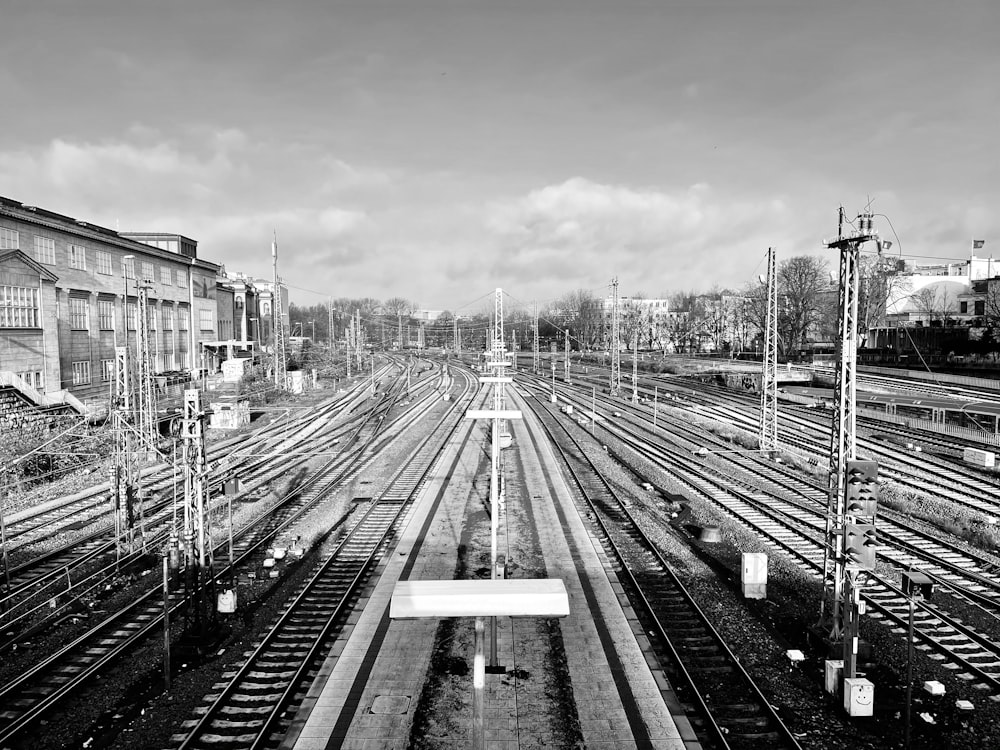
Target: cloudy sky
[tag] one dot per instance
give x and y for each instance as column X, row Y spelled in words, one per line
column 436, row 150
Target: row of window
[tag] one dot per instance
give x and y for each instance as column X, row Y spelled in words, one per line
column 18, row 307
column 81, row 370
column 45, row 252
column 32, row 378
column 79, row 316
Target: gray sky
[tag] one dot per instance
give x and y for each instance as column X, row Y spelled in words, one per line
column 436, row 150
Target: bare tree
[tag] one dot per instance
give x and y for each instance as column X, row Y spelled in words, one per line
column 880, row 283
column 802, row 279
column 933, row 303
column 582, row 313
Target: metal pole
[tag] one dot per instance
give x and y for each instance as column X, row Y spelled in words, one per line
column 909, row 676
column 593, row 409
column 494, row 526
column 166, row 621
column 479, row 690
column 3, row 539
column 655, row 396
column 229, row 510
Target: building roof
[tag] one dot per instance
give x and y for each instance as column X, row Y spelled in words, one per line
column 52, row 220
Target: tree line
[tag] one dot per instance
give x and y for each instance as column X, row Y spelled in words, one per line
column 680, row 321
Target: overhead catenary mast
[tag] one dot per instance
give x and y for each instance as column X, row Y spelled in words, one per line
column 616, row 363
column 277, row 324
column 534, row 352
column 842, row 576
column 768, row 436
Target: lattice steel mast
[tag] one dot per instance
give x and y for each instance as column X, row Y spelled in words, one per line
column 498, row 356
column 841, row 583
column 145, row 350
column 197, row 538
column 277, row 323
column 768, row 436
column 534, row 348
column 124, row 468
column 616, row 363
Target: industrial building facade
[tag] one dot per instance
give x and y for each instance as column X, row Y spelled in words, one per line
column 69, row 295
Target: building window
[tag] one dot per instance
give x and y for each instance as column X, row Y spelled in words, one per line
column 79, row 314
column 980, row 307
column 147, row 271
column 963, row 307
column 78, row 257
column 165, row 276
column 168, row 319
column 133, row 315
column 106, row 315
column 150, row 317
column 81, row 373
column 181, row 279
column 183, row 318
column 206, row 320
column 104, row 262
column 18, row 307
column 107, row 370
column 128, row 268
column 45, row 250
column 33, row 379
column 9, row 239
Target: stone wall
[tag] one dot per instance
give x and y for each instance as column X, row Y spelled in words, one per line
column 19, row 419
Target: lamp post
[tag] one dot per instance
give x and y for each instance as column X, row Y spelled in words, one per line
column 313, row 324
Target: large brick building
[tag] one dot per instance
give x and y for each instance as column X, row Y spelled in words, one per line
column 68, row 296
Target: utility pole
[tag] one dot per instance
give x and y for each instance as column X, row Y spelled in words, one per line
column 330, row 325
column 768, row 437
column 567, row 355
column 197, row 519
column 277, row 323
column 616, row 363
column 842, row 579
column 498, row 356
column 144, row 353
column 454, row 335
column 399, row 335
column 499, row 430
column 124, row 468
column 358, row 343
column 534, row 351
column 635, row 367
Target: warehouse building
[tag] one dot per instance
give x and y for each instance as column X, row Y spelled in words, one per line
column 68, row 296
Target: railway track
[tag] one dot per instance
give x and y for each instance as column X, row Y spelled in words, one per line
column 77, row 567
column 31, row 695
column 798, row 532
column 737, row 715
column 52, row 517
column 252, row 709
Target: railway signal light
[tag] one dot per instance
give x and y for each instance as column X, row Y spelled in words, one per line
column 860, row 544
column 862, row 488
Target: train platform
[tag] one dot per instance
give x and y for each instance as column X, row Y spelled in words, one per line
column 367, row 692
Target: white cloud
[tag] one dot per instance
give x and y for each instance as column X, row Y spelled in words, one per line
column 585, row 232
